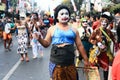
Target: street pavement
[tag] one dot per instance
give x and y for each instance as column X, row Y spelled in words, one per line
column 11, row 68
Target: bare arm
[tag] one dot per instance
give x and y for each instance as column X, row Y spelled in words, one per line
column 47, row 41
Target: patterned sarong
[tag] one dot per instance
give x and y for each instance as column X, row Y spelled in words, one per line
column 65, row 73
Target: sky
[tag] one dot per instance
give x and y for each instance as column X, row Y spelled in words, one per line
column 46, row 4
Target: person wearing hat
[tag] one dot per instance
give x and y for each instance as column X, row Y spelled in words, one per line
column 102, row 37
column 62, row 38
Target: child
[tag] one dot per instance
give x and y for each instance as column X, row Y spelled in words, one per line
column 36, row 46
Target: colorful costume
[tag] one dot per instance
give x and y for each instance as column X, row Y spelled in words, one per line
column 62, row 58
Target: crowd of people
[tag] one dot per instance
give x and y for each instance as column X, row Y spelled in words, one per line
column 73, row 38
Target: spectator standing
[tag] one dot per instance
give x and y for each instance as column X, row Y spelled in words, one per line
column 7, row 36
column 102, row 38
column 116, row 67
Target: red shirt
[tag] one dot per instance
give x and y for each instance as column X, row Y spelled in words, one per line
column 96, row 24
column 116, row 67
column 51, row 20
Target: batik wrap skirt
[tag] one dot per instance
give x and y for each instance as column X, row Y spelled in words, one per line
column 22, row 43
column 58, row 72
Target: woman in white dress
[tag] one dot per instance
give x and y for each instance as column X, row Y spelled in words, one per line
column 22, row 40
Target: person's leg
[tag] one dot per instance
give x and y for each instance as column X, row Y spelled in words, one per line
column 40, row 50
column 9, row 41
column 5, row 39
column 105, row 73
column 26, row 57
column 22, row 57
column 5, row 44
column 35, row 51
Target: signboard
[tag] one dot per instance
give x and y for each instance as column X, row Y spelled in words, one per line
column 2, row 6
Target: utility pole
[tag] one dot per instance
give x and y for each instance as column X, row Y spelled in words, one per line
column 88, row 2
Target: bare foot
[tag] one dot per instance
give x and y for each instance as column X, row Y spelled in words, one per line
column 22, row 59
column 27, row 59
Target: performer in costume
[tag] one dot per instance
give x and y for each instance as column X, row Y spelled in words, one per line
column 62, row 37
column 102, row 38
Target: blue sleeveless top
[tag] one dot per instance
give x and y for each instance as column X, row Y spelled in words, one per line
column 61, row 36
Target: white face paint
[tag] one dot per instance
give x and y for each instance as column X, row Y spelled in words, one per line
column 84, row 23
column 104, row 23
column 63, row 16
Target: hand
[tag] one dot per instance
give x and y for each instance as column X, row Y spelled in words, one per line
column 103, row 47
column 86, row 65
column 100, row 45
column 38, row 36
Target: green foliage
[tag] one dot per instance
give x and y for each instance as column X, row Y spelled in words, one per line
column 69, row 4
column 115, row 8
column 14, row 3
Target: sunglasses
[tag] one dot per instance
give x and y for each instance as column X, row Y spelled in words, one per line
column 84, row 21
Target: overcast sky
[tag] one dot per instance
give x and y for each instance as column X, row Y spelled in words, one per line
column 45, row 4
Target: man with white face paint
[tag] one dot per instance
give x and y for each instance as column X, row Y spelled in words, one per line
column 63, row 16
column 63, row 37
column 102, row 38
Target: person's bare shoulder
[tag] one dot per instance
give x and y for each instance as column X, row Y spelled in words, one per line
column 74, row 29
column 51, row 30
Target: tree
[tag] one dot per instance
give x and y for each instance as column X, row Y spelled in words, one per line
column 115, row 8
column 14, row 3
column 68, row 3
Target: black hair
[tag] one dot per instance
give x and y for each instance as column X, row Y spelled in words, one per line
column 110, row 18
column 57, row 9
column 28, row 14
column 88, row 15
column 36, row 14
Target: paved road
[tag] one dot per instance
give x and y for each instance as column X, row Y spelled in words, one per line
column 11, row 68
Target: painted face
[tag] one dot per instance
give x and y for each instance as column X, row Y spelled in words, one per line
column 104, row 23
column 84, row 23
column 63, row 16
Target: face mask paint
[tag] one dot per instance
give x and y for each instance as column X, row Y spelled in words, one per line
column 84, row 23
column 63, row 16
column 104, row 23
